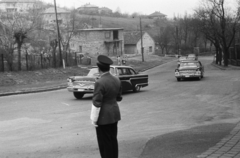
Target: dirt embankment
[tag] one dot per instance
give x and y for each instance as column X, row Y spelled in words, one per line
column 44, row 75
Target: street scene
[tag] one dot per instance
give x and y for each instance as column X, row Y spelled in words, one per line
column 119, row 79
column 55, row 124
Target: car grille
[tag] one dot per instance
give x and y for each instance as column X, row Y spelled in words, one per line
column 187, row 71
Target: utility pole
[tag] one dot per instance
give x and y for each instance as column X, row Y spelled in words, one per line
column 141, row 40
column 58, row 34
column 177, row 40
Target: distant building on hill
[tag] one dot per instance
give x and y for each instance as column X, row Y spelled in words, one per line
column 157, row 15
column 88, row 9
column 132, row 43
column 95, row 41
column 50, row 17
column 21, row 6
column 105, row 11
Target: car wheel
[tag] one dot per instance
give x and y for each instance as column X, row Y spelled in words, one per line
column 78, row 95
column 136, row 89
column 202, row 75
column 199, row 78
column 178, row 79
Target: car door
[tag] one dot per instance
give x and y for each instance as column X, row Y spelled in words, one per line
column 125, row 76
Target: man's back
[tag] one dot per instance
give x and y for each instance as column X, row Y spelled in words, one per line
column 106, row 94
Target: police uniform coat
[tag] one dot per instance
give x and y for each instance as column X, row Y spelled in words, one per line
column 107, row 92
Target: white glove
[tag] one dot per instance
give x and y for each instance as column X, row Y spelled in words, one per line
column 94, row 114
column 94, row 123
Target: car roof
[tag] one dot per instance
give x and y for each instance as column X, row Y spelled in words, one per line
column 189, row 61
column 191, row 54
column 116, row 66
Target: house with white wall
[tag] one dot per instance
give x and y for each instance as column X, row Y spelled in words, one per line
column 50, row 17
column 132, row 43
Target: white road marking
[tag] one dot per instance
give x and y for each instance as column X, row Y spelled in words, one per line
column 65, row 104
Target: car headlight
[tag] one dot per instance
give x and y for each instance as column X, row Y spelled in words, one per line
column 90, row 87
column 198, row 72
column 176, row 72
column 70, row 84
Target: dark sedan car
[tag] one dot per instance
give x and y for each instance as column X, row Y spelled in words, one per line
column 130, row 79
column 189, row 69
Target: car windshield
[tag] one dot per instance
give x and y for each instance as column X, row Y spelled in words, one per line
column 191, row 55
column 189, row 64
column 94, row 72
column 191, row 58
column 182, row 58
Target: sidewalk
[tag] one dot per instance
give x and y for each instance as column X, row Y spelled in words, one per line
column 210, row 141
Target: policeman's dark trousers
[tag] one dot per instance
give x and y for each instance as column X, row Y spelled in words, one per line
column 107, row 140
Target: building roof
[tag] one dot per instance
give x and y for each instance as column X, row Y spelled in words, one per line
column 18, row 1
column 105, row 8
column 132, row 37
column 52, row 10
column 88, row 5
column 157, row 14
column 100, row 29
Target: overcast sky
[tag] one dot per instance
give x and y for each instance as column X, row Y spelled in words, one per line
column 168, row 7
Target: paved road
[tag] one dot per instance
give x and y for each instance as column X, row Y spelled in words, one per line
column 54, row 124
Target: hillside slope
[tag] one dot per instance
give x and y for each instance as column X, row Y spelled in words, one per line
column 126, row 23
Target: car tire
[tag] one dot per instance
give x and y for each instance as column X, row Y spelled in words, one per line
column 178, row 79
column 78, row 95
column 199, row 78
column 136, row 88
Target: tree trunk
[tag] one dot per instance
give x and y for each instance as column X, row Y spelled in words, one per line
column 217, row 55
column 226, row 56
column 19, row 57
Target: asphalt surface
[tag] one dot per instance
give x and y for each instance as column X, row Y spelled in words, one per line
column 200, row 142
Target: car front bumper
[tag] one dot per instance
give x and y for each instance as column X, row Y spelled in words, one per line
column 82, row 90
column 190, row 75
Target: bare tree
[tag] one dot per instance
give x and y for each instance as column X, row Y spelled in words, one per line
column 164, row 38
column 219, row 25
column 18, row 26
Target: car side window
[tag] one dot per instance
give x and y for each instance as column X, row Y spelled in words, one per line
column 120, row 72
column 125, row 71
column 132, row 72
column 112, row 71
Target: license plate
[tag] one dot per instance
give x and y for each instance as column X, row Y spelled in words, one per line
column 186, row 75
column 80, row 90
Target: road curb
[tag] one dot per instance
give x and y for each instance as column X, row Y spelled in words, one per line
column 35, row 90
column 230, row 67
column 217, row 66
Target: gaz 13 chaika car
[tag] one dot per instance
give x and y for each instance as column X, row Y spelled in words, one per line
column 189, row 69
column 130, row 79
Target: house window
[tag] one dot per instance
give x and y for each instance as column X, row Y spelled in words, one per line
column 80, row 49
column 150, row 49
column 107, row 34
column 115, row 34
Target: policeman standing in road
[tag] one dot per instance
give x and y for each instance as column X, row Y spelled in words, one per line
column 105, row 112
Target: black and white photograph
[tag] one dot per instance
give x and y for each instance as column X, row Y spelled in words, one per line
column 119, row 79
